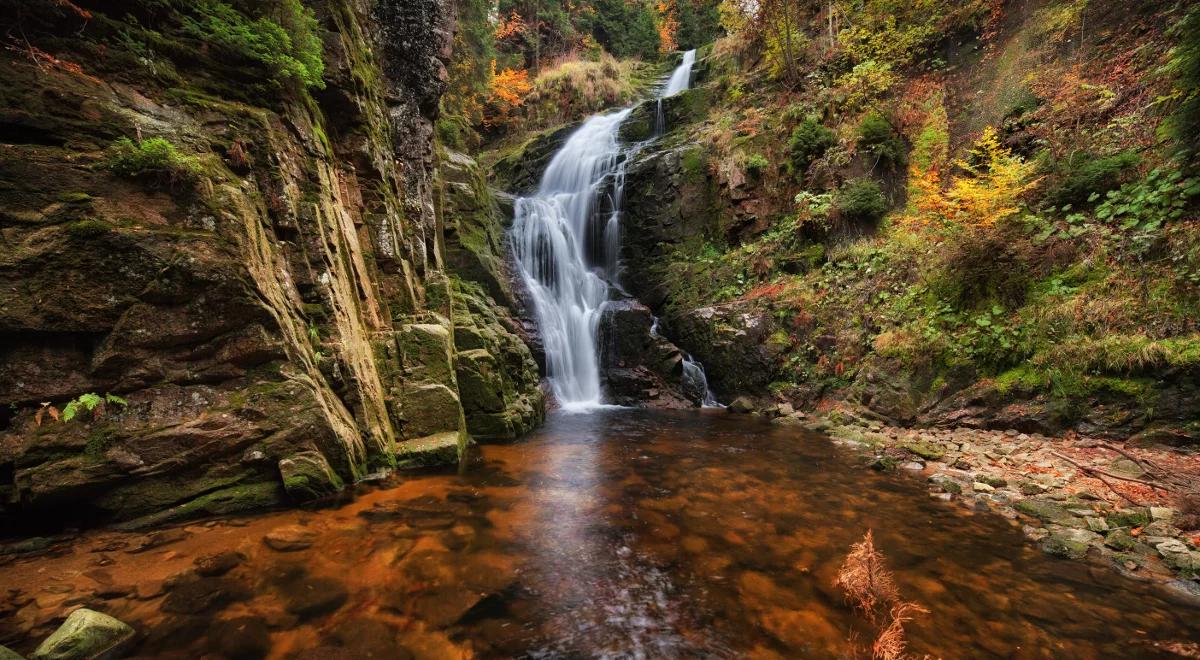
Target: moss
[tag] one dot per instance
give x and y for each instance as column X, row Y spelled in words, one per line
column 1128, row 518
column 85, row 229
column 74, row 197
column 99, row 441
column 694, row 162
column 233, row 499
column 925, row 450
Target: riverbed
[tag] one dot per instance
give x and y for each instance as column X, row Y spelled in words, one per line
column 612, row 533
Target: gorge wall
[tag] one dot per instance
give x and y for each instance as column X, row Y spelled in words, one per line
column 247, row 249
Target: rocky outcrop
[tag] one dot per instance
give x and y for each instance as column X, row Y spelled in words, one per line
column 497, row 374
column 638, row 365
column 269, row 304
column 735, row 343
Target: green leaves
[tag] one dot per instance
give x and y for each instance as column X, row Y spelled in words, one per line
column 90, row 402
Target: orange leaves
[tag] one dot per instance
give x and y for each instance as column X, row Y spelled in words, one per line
column 667, row 25
column 509, row 87
column 512, row 27
column 507, row 90
column 43, row 59
column 43, row 411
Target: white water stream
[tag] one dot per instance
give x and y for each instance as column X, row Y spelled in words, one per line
column 566, row 239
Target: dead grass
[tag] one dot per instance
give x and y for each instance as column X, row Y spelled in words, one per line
column 871, row 589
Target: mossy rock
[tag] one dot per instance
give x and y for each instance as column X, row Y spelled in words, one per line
column 425, row 352
column 1068, row 543
column 1046, row 510
column 428, row 409
column 86, row 634
column 926, row 450
column 307, row 476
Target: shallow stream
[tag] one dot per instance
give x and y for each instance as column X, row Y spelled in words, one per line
column 616, row 533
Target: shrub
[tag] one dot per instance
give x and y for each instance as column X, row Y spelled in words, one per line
column 809, row 142
column 756, row 164
column 154, row 157
column 876, row 137
column 861, row 200
column 290, row 49
column 1086, row 181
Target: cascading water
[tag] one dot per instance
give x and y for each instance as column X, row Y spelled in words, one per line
column 695, row 384
column 564, row 268
column 566, row 240
column 681, row 79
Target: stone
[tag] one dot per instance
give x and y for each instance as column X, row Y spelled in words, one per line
column 913, row 466
column 1095, row 524
column 428, row 409
column 1046, row 510
column 86, row 635
column 1176, row 554
column 192, row 595
column 218, row 564
column 742, row 405
column 1068, row 543
column 307, row 476
column 290, row 538
column 925, row 449
column 1162, row 513
column 438, row 449
column 9, row 654
column 308, row 597
column 980, row 487
column 785, row 409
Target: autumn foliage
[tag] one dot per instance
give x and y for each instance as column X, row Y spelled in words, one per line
column 667, row 24
column 989, row 190
column 506, row 92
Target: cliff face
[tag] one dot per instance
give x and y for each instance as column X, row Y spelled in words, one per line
column 270, row 297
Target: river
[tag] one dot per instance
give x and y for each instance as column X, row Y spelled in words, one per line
column 613, row 533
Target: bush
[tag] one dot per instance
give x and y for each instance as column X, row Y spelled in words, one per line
column 861, row 200
column 809, row 142
column 290, row 49
column 756, row 164
column 1088, row 177
column 154, row 157
column 876, row 137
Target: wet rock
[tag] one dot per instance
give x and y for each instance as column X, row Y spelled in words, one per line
column 218, row 564
column 291, row 538
column 86, row 635
column 241, row 638
column 742, row 405
column 307, row 476
column 980, row 487
column 159, row 539
column 362, row 637
column 1096, row 524
column 946, row 484
column 194, row 595
column 308, row 597
column 1047, row 511
column 1069, row 543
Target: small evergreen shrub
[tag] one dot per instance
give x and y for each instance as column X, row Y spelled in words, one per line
column 1088, row 177
column 154, row 157
column 876, row 138
column 290, row 49
column 756, row 164
column 809, row 142
column 861, row 200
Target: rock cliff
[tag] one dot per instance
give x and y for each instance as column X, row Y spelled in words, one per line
column 239, row 251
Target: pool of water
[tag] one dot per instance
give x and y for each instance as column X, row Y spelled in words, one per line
column 616, row 533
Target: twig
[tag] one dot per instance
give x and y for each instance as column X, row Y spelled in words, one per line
column 1101, row 474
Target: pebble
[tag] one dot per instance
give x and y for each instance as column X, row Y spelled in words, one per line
column 290, row 538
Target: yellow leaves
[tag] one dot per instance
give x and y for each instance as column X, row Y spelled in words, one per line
column 989, row 190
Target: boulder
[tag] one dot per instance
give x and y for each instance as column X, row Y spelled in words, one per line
column 308, row 476
column 86, row 635
column 1068, row 542
column 742, row 405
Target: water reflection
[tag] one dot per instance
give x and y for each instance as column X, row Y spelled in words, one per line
column 618, row 533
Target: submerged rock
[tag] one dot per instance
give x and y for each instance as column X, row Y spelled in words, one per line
column 290, row 538
column 86, row 635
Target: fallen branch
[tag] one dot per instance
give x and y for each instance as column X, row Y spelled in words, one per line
column 1101, row 474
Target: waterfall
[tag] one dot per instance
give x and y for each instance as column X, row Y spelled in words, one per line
column 681, row 79
column 695, row 384
column 566, row 241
